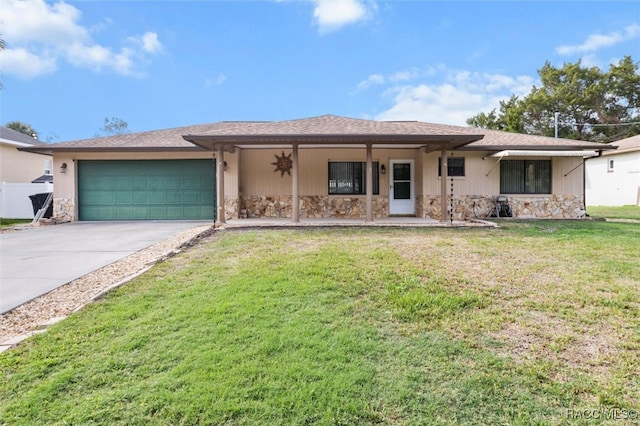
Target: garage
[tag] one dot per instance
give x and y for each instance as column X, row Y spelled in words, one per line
column 146, row 189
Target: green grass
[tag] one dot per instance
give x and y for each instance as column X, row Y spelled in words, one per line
column 623, row 212
column 514, row 325
column 5, row 222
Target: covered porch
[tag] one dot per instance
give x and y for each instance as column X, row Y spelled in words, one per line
column 333, row 133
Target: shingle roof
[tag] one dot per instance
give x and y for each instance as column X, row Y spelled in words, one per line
column 336, row 130
column 631, row 144
column 157, row 140
column 497, row 140
column 333, row 125
column 322, row 129
column 8, row 134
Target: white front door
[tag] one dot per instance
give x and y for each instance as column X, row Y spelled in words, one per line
column 401, row 188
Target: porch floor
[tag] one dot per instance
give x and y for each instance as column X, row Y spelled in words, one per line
column 403, row 222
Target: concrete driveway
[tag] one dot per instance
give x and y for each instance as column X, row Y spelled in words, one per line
column 34, row 261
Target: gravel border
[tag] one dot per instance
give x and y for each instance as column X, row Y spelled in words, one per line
column 39, row 313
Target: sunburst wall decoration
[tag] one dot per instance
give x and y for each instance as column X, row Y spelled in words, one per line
column 283, row 164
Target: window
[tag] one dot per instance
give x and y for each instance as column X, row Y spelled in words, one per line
column 350, row 177
column 525, row 177
column 47, row 167
column 610, row 165
column 455, row 166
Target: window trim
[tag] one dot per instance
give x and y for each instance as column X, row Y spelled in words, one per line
column 449, row 167
column 376, row 177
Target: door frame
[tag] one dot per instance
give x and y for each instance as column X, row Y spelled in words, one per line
column 405, row 207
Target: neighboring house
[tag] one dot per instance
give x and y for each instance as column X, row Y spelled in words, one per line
column 18, row 166
column 613, row 179
column 21, row 173
column 317, row 168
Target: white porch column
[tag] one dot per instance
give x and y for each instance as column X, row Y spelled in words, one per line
column 220, row 216
column 444, row 169
column 369, row 183
column 295, row 195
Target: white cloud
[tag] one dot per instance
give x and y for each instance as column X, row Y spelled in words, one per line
column 221, row 78
column 24, row 64
column 451, row 96
column 373, row 79
column 25, row 21
column 331, row 15
column 97, row 57
column 444, row 104
column 395, row 77
column 38, row 35
column 404, row 75
column 150, row 43
column 597, row 41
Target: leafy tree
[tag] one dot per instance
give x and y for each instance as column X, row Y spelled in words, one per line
column 113, row 126
column 622, row 102
column 509, row 119
column 589, row 104
column 24, row 128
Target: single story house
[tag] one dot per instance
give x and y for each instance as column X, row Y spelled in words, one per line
column 319, row 167
column 613, row 179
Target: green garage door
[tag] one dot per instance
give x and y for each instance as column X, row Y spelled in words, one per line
column 146, row 190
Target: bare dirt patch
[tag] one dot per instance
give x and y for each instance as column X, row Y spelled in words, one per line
column 536, row 306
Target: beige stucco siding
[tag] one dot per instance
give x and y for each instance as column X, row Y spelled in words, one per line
column 572, row 183
column 258, row 175
column 482, row 174
column 20, row 167
column 253, row 185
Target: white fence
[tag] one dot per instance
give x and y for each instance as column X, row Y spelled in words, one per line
column 14, row 198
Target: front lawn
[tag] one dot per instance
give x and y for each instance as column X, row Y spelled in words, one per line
column 6, row 222
column 622, row 212
column 532, row 323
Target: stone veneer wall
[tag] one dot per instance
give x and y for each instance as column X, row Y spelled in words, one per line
column 64, row 209
column 321, row 206
column 231, row 210
column 420, row 211
column 564, row 206
column 465, row 207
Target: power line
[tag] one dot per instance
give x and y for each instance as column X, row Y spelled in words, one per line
column 637, row 123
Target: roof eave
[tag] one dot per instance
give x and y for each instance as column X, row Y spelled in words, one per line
column 622, row 151
column 537, row 147
column 52, row 150
column 449, row 141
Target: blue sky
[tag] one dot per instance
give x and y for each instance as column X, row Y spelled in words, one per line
column 160, row 64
